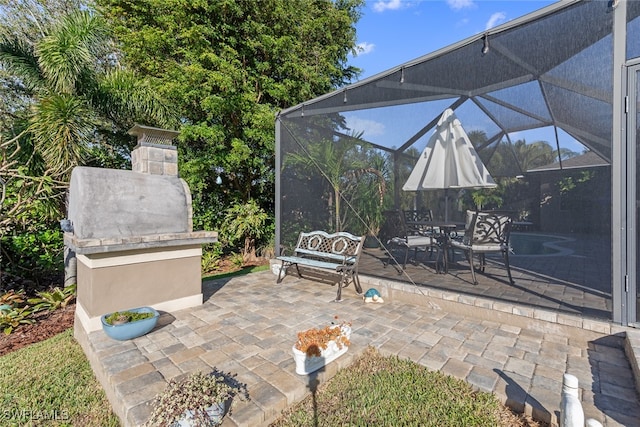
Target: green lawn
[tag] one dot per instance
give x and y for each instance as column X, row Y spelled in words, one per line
column 51, row 383
column 389, row 391
column 242, row 271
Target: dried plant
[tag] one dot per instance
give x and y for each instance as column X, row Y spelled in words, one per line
column 314, row 340
column 13, row 298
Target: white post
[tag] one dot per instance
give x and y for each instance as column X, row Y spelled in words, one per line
column 571, row 413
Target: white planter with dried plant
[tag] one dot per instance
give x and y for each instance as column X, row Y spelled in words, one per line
column 317, row 347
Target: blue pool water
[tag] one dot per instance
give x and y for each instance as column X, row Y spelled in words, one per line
column 532, row 244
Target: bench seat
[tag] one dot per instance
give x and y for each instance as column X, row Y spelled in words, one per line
column 311, row 262
column 338, row 253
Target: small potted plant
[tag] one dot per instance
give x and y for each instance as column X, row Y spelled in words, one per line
column 199, row 399
column 317, row 347
column 129, row 324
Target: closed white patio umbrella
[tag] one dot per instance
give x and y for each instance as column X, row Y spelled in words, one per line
column 448, row 161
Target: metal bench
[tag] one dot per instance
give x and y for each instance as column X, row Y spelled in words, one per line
column 337, row 253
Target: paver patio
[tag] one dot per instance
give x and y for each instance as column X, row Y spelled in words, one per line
column 248, row 325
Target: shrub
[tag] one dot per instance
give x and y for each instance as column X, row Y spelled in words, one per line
column 195, row 393
column 35, row 255
column 211, row 255
column 12, row 298
column 54, row 299
column 14, row 317
column 245, row 222
column 237, row 260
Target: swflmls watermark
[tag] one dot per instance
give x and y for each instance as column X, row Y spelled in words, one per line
column 34, row 415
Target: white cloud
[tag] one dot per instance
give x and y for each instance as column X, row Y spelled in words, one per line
column 460, row 4
column 368, row 127
column 382, row 5
column 496, row 19
column 365, row 48
column 463, row 22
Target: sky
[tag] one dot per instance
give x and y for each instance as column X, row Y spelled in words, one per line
column 392, row 32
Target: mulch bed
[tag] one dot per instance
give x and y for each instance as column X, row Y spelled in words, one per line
column 48, row 324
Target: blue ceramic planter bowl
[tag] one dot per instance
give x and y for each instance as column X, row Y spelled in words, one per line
column 130, row 330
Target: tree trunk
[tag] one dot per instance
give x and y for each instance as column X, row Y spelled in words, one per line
column 249, row 250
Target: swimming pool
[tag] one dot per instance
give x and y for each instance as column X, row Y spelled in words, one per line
column 534, row 244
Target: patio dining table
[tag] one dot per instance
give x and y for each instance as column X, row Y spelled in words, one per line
column 442, row 231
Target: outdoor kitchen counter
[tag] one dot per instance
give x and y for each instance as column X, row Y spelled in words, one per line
column 104, row 245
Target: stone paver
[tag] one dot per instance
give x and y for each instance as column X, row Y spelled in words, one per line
column 248, row 325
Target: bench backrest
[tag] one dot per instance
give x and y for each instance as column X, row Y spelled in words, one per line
column 342, row 246
column 417, row 215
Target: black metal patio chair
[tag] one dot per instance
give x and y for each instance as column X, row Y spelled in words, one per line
column 486, row 232
column 403, row 235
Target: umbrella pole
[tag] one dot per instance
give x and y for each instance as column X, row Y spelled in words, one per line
column 446, row 205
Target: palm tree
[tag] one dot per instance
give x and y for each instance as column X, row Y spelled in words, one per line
column 347, row 167
column 66, row 101
column 538, row 153
column 245, row 222
column 75, row 89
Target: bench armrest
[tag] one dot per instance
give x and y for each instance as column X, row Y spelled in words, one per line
column 284, row 249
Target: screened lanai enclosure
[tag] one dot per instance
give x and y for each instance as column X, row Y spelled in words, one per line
column 549, row 102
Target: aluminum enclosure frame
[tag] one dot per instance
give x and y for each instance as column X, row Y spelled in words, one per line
column 600, row 21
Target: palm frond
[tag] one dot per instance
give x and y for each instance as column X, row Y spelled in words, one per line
column 70, row 50
column 123, row 96
column 62, row 126
column 18, row 58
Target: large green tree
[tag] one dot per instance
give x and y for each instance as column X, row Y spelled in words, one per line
column 227, row 67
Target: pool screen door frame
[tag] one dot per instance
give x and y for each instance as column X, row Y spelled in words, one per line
column 633, row 200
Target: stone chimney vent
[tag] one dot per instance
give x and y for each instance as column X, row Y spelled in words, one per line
column 154, row 154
